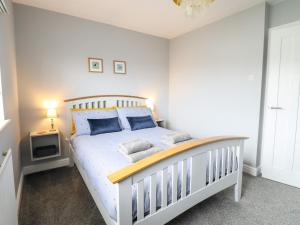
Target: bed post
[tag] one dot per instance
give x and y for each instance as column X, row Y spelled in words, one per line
column 68, row 135
column 124, row 209
column 238, row 185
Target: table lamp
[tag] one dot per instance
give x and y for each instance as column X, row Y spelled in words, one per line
column 51, row 114
column 150, row 103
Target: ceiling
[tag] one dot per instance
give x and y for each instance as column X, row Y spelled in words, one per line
column 156, row 17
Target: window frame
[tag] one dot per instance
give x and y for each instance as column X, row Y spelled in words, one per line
column 2, row 114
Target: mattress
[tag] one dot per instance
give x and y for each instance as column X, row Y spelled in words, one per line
column 99, row 157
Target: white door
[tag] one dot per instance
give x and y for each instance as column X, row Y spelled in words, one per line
column 281, row 131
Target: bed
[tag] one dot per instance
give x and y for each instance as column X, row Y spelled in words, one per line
column 157, row 188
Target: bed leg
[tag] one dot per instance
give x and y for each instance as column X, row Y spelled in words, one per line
column 71, row 160
column 238, row 185
column 237, row 192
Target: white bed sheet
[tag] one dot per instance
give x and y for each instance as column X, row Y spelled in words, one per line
column 99, row 157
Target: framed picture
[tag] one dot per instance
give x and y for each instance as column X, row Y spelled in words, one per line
column 120, row 67
column 95, row 65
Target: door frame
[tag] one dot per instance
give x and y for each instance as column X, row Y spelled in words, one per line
column 284, row 26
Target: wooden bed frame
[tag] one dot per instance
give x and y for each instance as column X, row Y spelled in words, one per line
column 197, row 151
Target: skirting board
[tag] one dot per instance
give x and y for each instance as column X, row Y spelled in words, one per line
column 254, row 171
column 46, row 166
column 20, row 190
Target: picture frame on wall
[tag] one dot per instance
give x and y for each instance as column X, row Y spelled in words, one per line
column 95, row 65
column 120, row 67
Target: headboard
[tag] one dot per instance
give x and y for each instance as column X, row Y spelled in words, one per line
column 101, row 101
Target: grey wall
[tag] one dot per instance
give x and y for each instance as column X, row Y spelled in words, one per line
column 52, row 52
column 216, row 75
column 285, row 12
column 10, row 136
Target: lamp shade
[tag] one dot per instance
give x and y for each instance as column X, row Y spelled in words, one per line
column 51, row 113
column 150, row 103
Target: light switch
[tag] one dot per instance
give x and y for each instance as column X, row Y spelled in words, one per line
column 251, row 77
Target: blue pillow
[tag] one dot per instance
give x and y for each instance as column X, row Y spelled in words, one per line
column 141, row 122
column 101, row 126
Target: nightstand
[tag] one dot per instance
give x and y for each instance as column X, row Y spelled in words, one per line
column 44, row 144
column 161, row 123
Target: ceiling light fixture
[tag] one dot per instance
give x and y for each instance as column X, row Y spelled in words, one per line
column 191, row 6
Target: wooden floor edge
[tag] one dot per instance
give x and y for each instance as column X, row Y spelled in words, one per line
column 134, row 168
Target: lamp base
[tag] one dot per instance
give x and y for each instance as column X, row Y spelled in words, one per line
column 52, row 125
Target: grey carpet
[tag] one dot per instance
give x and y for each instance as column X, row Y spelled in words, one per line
column 59, row 197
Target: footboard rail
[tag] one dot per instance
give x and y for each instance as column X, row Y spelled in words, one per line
column 211, row 164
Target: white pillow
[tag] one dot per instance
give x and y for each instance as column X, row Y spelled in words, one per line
column 132, row 112
column 80, row 117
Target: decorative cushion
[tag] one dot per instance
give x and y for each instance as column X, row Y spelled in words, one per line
column 80, row 116
column 101, row 126
column 132, row 112
column 141, row 122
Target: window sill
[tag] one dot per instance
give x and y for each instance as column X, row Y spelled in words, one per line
column 3, row 124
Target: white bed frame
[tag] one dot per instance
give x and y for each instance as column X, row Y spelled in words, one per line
column 197, row 151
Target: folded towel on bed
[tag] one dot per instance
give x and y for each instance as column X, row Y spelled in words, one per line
column 134, row 157
column 169, row 145
column 134, row 146
column 176, row 137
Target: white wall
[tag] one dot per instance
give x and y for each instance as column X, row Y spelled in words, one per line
column 10, row 136
column 52, row 52
column 285, row 12
column 216, row 77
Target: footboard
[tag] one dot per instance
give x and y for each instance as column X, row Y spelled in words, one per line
column 214, row 164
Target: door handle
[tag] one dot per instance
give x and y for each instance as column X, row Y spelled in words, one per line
column 276, row 108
